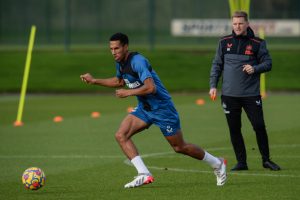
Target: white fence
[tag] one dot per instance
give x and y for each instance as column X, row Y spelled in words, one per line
column 219, row 27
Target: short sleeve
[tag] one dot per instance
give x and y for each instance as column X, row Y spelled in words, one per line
column 118, row 74
column 141, row 66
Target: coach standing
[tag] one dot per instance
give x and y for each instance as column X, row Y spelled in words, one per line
column 241, row 58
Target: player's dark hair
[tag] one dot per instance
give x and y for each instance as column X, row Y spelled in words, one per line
column 123, row 38
column 240, row 13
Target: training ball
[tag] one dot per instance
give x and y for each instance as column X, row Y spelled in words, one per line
column 33, row 178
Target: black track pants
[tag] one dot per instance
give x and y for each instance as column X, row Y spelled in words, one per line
column 253, row 107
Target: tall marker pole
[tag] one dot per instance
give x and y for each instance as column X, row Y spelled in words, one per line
column 245, row 6
column 234, row 6
column 19, row 122
column 239, row 5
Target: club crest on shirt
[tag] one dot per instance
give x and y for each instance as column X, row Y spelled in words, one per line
column 229, row 45
column 248, row 50
column 133, row 85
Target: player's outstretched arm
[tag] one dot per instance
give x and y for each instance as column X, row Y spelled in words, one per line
column 148, row 88
column 107, row 82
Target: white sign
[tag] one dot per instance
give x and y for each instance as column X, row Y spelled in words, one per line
column 220, row 27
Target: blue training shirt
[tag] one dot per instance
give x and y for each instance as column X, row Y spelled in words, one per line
column 134, row 72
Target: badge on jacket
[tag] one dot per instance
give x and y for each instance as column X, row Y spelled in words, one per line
column 229, row 45
column 248, row 50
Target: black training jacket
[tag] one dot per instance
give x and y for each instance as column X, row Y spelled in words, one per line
column 232, row 53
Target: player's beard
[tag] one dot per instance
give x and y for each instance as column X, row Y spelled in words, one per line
column 118, row 57
column 121, row 57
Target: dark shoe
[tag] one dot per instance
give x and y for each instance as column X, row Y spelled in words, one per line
column 239, row 167
column 271, row 165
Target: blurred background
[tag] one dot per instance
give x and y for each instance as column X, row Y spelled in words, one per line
column 148, row 22
column 176, row 36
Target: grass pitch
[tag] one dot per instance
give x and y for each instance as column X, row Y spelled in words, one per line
column 81, row 159
column 179, row 69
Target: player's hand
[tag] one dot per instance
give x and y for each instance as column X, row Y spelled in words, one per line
column 87, row 78
column 122, row 93
column 248, row 69
column 213, row 93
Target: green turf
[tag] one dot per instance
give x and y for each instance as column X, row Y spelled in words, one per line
column 180, row 69
column 82, row 160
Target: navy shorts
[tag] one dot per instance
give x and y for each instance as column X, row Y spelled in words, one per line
column 165, row 117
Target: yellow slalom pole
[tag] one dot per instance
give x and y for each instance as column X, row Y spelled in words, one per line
column 239, row 5
column 245, row 5
column 19, row 122
column 233, row 4
column 263, row 93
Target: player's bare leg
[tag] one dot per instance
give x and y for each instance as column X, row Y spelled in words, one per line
column 180, row 146
column 130, row 126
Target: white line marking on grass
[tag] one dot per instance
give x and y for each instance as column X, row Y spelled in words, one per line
column 127, row 162
column 230, row 173
column 163, row 154
column 144, row 155
column 271, row 146
column 77, row 156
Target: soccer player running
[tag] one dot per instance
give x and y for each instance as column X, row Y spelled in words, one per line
column 154, row 107
column 241, row 58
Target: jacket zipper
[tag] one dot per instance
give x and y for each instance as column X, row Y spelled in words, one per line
column 238, row 49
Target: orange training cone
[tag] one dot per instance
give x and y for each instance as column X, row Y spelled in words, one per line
column 18, row 123
column 95, row 114
column 58, row 119
column 200, row 102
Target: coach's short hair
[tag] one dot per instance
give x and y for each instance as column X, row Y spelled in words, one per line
column 240, row 13
column 123, row 38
